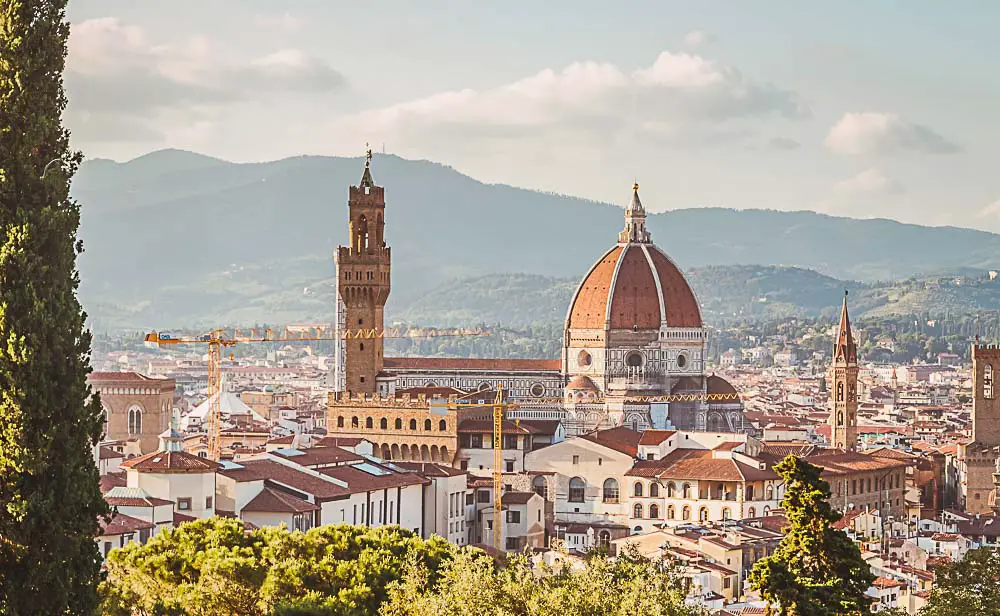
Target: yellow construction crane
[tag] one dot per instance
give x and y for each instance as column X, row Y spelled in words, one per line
column 500, row 408
column 217, row 339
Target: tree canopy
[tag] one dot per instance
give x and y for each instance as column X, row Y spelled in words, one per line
column 969, row 586
column 817, row 570
column 472, row 585
column 49, row 497
column 217, row 567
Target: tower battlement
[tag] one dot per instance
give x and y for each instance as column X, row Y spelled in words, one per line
column 985, row 405
column 986, row 351
column 373, row 196
column 346, row 398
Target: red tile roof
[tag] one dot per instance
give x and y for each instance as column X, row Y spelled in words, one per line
column 589, row 308
column 465, row 363
column 121, row 524
column 113, row 480
column 122, row 377
column 108, row 453
column 315, row 457
column 581, row 382
column 655, row 437
column 516, row 498
column 635, row 301
column 719, row 385
column 621, row 439
column 431, row 469
column 269, row 470
column 270, row 500
column 182, row 518
column 360, row 481
column 170, row 462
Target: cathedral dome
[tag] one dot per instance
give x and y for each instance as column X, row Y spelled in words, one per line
column 634, row 285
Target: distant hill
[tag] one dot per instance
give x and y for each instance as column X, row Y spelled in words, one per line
column 173, row 238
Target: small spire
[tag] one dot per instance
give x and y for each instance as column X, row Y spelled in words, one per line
column 366, row 178
column 635, row 220
column 845, row 349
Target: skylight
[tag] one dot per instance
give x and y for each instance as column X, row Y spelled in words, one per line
column 371, row 469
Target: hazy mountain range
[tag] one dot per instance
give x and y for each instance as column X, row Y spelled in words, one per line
column 174, row 238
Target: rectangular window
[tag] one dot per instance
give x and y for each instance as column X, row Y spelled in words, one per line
column 482, row 496
column 476, row 441
column 469, row 498
column 465, row 440
column 183, row 504
column 464, row 465
column 509, row 466
column 208, row 502
column 576, row 460
column 511, row 543
column 513, row 517
column 510, row 441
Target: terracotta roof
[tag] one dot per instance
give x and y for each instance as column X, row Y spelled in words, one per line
column 121, row 524
column 981, row 526
column 516, row 498
column 121, row 496
column 339, row 441
column 113, row 480
column 286, row 475
column 884, row 582
column 170, row 462
column 621, row 439
column 182, row 518
column 282, row 440
column 719, row 385
column 360, row 481
column 697, row 464
column 466, row 363
column 835, row 462
column 626, row 277
column 270, row 500
column 108, row 453
column 686, row 383
column 655, row 437
column 581, row 382
column 320, row 456
column 123, row 377
column 431, row 469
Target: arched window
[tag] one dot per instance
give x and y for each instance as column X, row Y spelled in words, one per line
column 135, row 420
column 703, row 514
column 726, row 513
column 399, row 423
column 686, row 513
column 104, row 428
column 686, row 490
column 604, row 538
column 427, row 424
column 369, row 423
column 610, row 490
column 751, row 513
column 767, row 511
column 577, row 487
column 654, row 490
column 637, row 489
column 413, row 424
column 671, row 513
column 539, row 487
column 671, row 489
column 383, row 423
column 637, row 511
column 654, row 511
column 354, row 422
column 769, row 493
column 442, row 425
column 340, row 421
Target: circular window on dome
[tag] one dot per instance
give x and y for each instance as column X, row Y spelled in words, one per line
column 537, row 390
column 682, row 360
column 634, row 359
column 584, row 359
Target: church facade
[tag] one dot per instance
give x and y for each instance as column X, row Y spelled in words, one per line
column 633, row 331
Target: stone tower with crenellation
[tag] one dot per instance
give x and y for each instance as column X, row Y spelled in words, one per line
column 363, row 277
column 844, row 387
column 978, row 459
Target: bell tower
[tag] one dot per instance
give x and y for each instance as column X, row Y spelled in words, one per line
column 844, row 391
column 363, row 282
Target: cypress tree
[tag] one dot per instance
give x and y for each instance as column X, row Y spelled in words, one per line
column 817, row 570
column 49, row 496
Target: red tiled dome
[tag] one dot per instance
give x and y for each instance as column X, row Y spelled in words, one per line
column 581, row 382
column 632, row 279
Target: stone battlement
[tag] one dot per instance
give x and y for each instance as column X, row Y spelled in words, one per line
column 371, row 196
column 986, row 351
column 404, row 401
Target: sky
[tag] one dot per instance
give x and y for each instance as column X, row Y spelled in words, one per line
column 865, row 109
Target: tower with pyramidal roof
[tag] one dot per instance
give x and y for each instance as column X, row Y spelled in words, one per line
column 844, row 386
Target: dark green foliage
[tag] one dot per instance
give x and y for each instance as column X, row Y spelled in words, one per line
column 216, row 568
column 817, row 570
column 49, row 497
column 970, row 586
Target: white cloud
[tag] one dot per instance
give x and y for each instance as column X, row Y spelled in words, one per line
column 283, row 22
column 696, row 37
column 869, row 182
column 881, row 133
column 679, row 96
column 116, row 75
column 991, row 211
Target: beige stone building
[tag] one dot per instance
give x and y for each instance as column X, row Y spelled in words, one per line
column 977, row 459
column 136, row 407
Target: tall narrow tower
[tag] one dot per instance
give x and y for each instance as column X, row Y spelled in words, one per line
column 363, row 282
column 844, row 392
